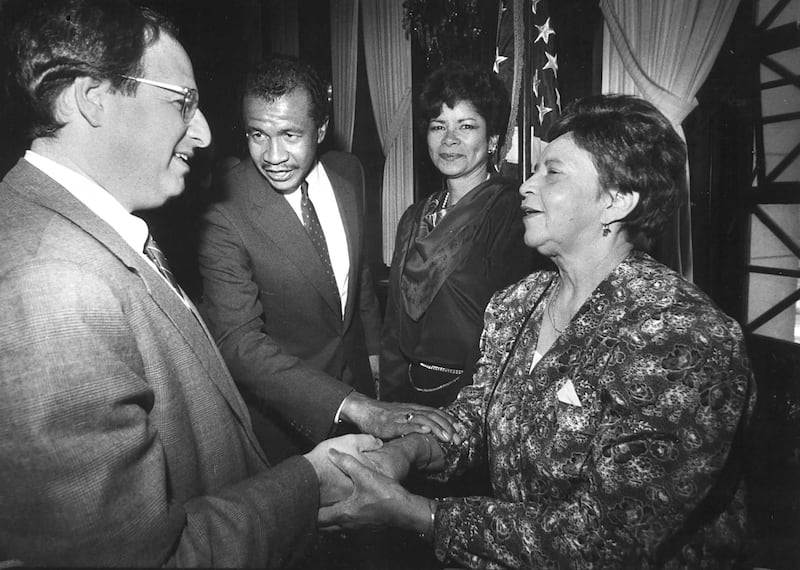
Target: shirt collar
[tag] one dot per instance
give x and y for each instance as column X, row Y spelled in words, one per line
column 132, row 229
column 314, row 177
column 317, row 184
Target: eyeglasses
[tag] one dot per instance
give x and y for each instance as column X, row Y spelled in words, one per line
column 191, row 99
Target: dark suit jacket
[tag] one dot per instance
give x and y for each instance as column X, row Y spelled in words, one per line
column 123, row 439
column 276, row 321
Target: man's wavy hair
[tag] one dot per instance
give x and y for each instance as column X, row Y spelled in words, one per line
column 634, row 149
column 47, row 44
column 280, row 74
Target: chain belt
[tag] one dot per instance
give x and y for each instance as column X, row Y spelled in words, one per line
column 436, row 368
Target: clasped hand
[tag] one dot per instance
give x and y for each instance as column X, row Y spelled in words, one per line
column 336, row 484
column 377, row 498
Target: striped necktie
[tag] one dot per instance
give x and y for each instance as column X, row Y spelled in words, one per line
column 314, row 230
column 154, row 254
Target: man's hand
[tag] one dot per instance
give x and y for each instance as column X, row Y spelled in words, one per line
column 376, row 501
column 334, row 485
column 389, row 420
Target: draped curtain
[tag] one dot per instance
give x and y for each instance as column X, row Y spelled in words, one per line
column 344, row 58
column 388, row 60
column 663, row 50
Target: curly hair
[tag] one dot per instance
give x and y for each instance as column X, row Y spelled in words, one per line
column 634, row 149
column 49, row 43
column 456, row 82
column 280, row 74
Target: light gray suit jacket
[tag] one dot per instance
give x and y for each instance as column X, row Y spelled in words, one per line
column 123, row 439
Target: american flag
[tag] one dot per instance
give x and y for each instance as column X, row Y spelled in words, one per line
column 544, row 97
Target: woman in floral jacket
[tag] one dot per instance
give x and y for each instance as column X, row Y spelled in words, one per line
column 611, row 397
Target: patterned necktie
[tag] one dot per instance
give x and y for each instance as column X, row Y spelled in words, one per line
column 154, row 254
column 314, row 230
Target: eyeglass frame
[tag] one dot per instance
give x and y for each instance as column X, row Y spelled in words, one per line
column 191, row 97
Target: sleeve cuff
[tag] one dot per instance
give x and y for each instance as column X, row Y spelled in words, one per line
column 337, row 419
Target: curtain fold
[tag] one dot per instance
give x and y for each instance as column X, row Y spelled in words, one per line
column 388, row 60
column 344, row 60
column 663, row 50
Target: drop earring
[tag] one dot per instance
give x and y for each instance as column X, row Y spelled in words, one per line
column 606, row 230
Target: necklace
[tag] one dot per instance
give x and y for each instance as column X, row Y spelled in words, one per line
column 549, row 308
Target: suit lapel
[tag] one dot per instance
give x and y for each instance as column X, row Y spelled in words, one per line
column 43, row 190
column 276, row 218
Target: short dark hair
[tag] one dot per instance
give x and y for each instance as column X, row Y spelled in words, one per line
column 280, row 74
column 634, row 148
column 455, row 82
column 50, row 43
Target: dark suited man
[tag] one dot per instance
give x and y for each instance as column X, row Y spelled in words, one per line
column 291, row 303
column 124, row 439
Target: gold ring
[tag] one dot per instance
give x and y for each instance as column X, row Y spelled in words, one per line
column 409, row 416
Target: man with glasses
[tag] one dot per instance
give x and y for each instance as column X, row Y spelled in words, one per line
column 124, row 439
column 191, row 99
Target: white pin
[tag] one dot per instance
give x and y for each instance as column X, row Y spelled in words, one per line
column 568, row 395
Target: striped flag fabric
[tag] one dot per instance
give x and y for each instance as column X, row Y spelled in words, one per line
column 541, row 40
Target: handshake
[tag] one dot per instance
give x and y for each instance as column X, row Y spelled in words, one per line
column 360, row 478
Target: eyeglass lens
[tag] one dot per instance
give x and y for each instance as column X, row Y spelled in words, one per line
column 191, row 101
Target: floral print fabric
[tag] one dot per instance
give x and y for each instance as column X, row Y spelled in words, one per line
column 643, row 470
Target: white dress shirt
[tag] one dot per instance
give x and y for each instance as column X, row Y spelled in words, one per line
column 320, row 192
column 132, row 228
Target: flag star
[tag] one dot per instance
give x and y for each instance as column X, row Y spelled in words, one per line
column 534, row 4
column 498, row 60
column 545, row 32
column 552, row 63
column 536, row 83
column 543, row 110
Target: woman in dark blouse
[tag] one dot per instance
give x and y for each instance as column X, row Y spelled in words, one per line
column 455, row 248
column 612, row 396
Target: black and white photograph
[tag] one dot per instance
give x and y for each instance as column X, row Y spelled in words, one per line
column 400, row 284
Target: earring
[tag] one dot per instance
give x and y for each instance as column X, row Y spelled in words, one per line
column 606, row 230
column 491, row 150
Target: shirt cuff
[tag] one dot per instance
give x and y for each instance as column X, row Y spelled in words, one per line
column 337, row 419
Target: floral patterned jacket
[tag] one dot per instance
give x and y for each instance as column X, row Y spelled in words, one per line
column 621, row 448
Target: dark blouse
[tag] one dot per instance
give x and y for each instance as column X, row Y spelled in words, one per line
column 621, row 448
column 440, row 282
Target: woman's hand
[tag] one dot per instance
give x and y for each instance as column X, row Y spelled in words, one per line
column 390, row 461
column 397, row 457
